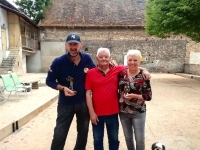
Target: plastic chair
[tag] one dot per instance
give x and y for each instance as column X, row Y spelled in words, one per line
column 9, row 86
column 18, row 84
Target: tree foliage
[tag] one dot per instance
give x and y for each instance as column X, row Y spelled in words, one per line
column 166, row 17
column 34, row 9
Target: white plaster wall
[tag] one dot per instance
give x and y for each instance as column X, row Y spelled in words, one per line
column 1, row 22
column 1, row 57
column 4, row 20
column 34, row 63
column 125, row 60
column 23, row 63
column 5, row 54
column 194, row 57
column 49, row 51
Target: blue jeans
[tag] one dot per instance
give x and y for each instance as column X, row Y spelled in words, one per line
column 65, row 114
column 134, row 123
column 112, row 125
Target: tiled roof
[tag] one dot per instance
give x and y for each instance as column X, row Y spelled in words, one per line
column 91, row 13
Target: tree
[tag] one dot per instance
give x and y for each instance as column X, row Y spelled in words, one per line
column 34, row 9
column 166, row 17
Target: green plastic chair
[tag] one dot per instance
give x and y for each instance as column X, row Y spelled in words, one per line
column 18, row 84
column 9, row 86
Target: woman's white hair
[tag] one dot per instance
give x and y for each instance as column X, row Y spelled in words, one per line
column 103, row 49
column 134, row 52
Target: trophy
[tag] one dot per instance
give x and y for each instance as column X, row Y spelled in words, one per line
column 71, row 80
column 126, row 89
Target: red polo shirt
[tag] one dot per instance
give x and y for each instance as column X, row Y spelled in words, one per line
column 104, row 90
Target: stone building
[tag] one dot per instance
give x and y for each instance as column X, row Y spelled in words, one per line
column 115, row 24
column 19, row 41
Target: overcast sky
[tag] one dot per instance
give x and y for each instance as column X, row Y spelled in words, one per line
column 12, row 2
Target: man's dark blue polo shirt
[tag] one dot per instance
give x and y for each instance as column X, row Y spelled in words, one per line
column 62, row 68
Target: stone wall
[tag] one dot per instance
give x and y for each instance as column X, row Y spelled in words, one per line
column 162, row 55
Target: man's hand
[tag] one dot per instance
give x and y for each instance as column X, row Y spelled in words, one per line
column 94, row 118
column 146, row 75
column 69, row 92
column 113, row 63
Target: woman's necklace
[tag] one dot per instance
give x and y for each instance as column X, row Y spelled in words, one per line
column 131, row 77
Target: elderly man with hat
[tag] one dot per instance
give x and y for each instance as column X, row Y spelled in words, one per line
column 67, row 74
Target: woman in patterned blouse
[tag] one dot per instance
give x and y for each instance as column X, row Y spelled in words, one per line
column 133, row 92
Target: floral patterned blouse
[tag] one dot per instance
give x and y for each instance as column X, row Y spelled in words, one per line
column 136, row 85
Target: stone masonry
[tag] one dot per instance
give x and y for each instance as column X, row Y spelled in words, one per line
column 162, row 55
